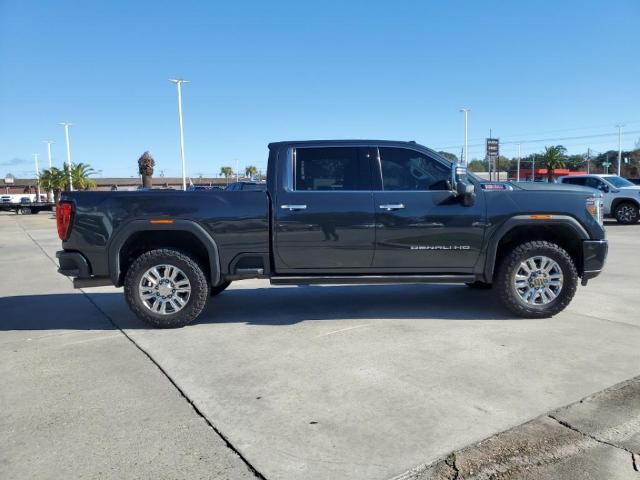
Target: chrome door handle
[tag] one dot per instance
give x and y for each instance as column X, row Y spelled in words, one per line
column 293, row 207
column 392, row 206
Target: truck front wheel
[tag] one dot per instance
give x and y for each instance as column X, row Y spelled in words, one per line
column 166, row 288
column 536, row 279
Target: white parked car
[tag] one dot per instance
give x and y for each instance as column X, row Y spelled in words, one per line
column 621, row 198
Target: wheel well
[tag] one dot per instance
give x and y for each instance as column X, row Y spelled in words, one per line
column 618, row 201
column 561, row 235
column 146, row 240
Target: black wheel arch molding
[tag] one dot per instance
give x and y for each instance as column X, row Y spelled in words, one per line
column 618, row 201
column 124, row 232
column 487, row 265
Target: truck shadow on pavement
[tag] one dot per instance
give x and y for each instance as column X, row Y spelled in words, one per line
column 262, row 306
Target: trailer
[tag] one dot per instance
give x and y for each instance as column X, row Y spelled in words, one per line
column 24, row 205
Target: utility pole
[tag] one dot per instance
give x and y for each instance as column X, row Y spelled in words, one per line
column 35, row 157
column 66, row 126
column 179, row 83
column 533, row 168
column 49, row 142
column 237, row 170
column 588, row 157
column 619, row 147
column 466, row 134
column 518, row 167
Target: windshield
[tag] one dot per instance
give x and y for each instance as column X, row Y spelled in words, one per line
column 619, row 182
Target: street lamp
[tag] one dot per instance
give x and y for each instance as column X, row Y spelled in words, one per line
column 66, row 126
column 49, row 142
column 179, row 82
column 466, row 134
column 619, row 146
column 35, row 157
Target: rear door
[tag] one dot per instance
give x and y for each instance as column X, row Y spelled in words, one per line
column 420, row 224
column 324, row 217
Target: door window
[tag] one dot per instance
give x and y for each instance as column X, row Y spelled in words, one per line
column 595, row 183
column 330, row 169
column 404, row 169
column 574, row 180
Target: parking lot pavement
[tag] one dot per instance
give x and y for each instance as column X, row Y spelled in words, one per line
column 369, row 381
column 78, row 399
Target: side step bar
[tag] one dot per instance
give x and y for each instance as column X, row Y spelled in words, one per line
column 369, row 279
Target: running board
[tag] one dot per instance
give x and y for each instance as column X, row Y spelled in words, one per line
column 369, row 279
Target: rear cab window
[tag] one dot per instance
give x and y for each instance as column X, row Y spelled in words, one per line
column 331, row 169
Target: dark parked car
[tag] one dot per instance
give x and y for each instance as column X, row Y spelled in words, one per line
column 337, row 212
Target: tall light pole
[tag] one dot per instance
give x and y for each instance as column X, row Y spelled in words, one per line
column 179, row 82
column 466, row 134
column 619, row 147
column 518, row 168
column 35, row 158
column 48, row 142
column 66, row 126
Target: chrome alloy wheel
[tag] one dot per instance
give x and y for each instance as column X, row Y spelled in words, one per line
column 538, row 280
column 164, row 289
column 626, row 213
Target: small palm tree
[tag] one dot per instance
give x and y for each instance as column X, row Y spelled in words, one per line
column 553, row 158
column 53, row 180
column 250, row 171
column 226, row 172
column 145, row 168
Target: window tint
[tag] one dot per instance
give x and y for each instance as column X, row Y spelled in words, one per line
column 404, row 169
column 574, row 181
column 328, row 168
column 595, row 183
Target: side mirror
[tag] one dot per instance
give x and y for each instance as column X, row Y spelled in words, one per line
column 462, row 188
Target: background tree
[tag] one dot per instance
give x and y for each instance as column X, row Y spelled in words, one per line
column 80, row 173
column 226, row 172
column 145, row 168
column 553, row 158
column 250, row 171
column 476, row 165
column 53, row 180
column 449, row 156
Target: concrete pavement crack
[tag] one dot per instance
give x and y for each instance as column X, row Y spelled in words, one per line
column 565, row 424
column 195, row 408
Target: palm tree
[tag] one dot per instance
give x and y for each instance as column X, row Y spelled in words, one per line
column 53, row 180
column 226, row 172
column 553, row 158
column 80, row 173
column 250, row 171
column 145, row 168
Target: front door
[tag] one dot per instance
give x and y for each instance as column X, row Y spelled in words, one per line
column 421, row 225
column 324, row 219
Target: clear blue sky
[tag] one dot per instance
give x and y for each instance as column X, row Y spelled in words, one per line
column 268, row 71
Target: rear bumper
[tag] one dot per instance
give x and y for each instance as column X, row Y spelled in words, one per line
column 594, row 254
column 74, row 264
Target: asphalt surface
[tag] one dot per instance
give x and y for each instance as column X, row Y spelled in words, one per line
column 294, row 382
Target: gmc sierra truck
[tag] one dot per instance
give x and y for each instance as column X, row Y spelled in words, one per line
column 337, row 212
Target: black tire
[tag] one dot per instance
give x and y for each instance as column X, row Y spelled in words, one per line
column 627, row 213
column 477, row 285
column 219, row 288
column 192, row 270
column 505, row 276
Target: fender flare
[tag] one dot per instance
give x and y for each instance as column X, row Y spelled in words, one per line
column 124, row 233
column 619, row 200
column 518, row 221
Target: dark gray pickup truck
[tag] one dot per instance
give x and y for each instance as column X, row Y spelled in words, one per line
column 337, row 212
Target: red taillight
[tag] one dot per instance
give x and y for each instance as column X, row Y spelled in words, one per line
column 64, row 210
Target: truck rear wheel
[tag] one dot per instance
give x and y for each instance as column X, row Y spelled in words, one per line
column 536, row 279
column 166, row 288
